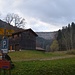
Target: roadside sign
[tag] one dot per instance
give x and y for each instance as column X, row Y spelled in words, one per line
column 4, row 64
column 4, row 45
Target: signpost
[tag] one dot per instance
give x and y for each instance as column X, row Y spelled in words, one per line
column 4, row 45
column 5, row 64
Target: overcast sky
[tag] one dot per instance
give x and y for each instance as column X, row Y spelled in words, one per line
column 41, row 15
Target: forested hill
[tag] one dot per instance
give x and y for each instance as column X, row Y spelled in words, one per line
column 45, row 39
column 66, row 37
column 47, row 35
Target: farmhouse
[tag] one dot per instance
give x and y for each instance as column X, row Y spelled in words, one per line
column 25, row 39
column 18, row 38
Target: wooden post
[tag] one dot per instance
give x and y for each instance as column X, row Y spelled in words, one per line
column 4, row 72
column 9, row 71
column 0, row 71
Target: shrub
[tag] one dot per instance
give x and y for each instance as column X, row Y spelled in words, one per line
column 71, row 52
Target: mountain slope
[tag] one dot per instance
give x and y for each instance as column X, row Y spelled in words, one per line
column 45, row 39
column 47, row 35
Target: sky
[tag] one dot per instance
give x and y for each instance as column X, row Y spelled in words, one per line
column 41, row 15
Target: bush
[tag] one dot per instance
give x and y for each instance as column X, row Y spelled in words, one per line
column 54, row 46
column 71, row 52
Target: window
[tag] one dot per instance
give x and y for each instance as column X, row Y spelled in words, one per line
column 19, row 35
column 15, row 36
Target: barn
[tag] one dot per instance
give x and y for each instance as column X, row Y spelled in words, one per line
column 23, row 40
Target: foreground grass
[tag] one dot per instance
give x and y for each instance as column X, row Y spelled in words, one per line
column 53, row 67
column 44, row 67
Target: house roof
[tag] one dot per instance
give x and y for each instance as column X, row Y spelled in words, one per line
column 16, row 30
column 25, row 31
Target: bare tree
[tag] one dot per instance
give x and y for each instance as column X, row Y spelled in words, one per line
column 15, row 19
column 9, row 18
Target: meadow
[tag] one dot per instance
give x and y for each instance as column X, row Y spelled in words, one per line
column 30, row 63
column 35, row 55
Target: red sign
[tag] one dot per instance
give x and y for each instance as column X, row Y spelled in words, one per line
column 4, row 64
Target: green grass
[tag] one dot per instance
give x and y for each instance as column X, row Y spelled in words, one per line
column 53, row 67
column 24, row 55
column 42, row 67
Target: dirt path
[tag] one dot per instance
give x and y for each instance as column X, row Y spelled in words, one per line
column 51, row 58
column 61, row 57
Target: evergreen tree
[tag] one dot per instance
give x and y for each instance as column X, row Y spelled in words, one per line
column 66, row 37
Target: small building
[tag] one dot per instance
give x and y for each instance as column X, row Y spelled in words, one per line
column 24, row 40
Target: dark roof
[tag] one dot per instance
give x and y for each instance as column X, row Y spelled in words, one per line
column 16, row 29
column 25, row 31
column 8, row 26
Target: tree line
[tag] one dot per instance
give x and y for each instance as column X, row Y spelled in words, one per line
column 66, row 37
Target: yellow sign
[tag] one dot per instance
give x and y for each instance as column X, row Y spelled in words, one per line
column 7, row 32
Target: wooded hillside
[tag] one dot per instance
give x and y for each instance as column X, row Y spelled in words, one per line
column 66, row 37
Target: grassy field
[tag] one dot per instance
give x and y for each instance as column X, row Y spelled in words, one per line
column 53, row 67
column 24, row 66
column 34, row 55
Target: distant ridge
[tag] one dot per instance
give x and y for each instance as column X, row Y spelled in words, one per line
column 47, row 35
column 45, row 39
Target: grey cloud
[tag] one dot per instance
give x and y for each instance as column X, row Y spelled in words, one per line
column 52, row 12
column 58, row 11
